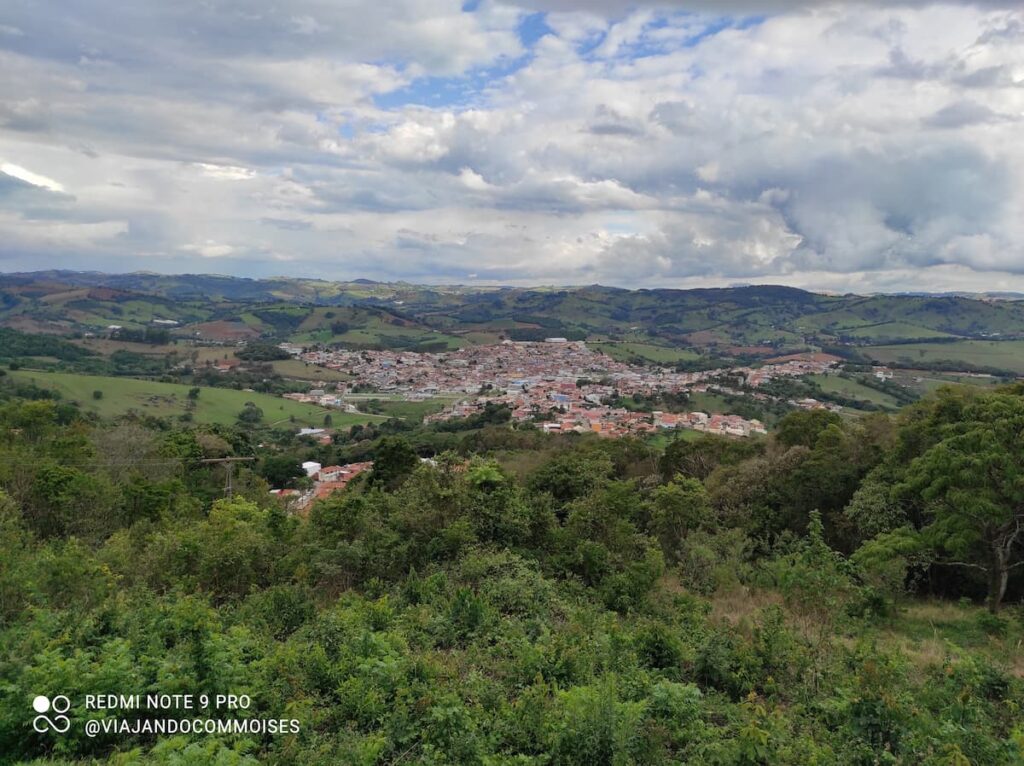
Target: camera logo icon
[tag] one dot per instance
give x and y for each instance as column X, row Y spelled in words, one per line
column 59, row 722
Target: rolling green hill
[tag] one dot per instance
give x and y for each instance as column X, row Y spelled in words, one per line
column 978, row 354
column 723, row 322
column 146, row 397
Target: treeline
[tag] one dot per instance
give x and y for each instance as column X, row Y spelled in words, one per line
column 17, row 345
column 156, row 336
column 537, row 334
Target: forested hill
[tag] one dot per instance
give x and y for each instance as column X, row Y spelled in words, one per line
column 742, row 317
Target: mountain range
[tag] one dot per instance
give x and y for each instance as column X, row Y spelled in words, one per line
column 755, row 319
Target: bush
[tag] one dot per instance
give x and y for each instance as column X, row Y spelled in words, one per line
column 992, row 624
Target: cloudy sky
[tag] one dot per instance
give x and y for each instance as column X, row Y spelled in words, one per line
column 868, row 146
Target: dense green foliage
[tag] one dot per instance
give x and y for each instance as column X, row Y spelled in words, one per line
column 17, row 345
column 523, row 599
column 261, row 352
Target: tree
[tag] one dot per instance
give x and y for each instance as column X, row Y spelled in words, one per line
column 496, row 506
column 279, row 470
column 678, row 509
column 250, row 414
column 699, row 457
column 259, row 351
column 572, row 475
column 973, row 482
column 394, row 460
column 802, row 428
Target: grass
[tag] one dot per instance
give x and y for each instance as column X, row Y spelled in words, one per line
column 834, row 384
column 924, row 381
column 929, row 632
column 481, row 337
column 892, row 331
column 107, row 346
column 847, row 324
column 709, row 403
column 1001, row 354
column 628, row 351
column 299, row 370
column 662, row 438
column 379, row 334
column 214, row 405
column 407, row 410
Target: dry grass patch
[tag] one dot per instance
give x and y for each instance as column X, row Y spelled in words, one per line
column 739, row 606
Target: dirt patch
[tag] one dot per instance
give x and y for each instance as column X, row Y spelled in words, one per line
column 815, row 358
column 222, row 331
column 703, row 338
column 750, row 350
column 106, row 294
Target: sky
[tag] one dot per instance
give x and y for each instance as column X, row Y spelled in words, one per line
column 868, row 147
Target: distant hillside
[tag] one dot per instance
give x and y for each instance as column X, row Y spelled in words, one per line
column 737, row 321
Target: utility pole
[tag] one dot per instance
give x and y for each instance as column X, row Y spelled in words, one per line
column 229, row 469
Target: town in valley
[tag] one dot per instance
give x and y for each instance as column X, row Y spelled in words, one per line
column 558, row 385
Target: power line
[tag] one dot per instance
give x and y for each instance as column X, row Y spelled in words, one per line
column 228, row 463
column 112, row 463
column 229, row 468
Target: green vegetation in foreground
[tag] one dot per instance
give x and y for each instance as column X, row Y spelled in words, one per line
column 146, row 397
column 995, row 354
column 522, row 599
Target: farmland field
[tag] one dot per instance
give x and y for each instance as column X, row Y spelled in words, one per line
column 203, row 354
column 296, row 368
column 892, row 331
column 377, row 333
column 406, row 410
column 644, row 352
column 854, row 389
column 214, row 405
column 1002, row 354
column 925, row 382
column 709, row 403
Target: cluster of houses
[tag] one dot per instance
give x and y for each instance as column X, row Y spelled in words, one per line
column 560, row 385
column 519, row 365
column 326, row 481
column 791, row 366
column 562, row 415
column 726, row 425
column 322, row 398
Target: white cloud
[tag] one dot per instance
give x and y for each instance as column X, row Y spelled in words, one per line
column 226, row 172
column 210, row 249
column 16, row 171
column 856, row 144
